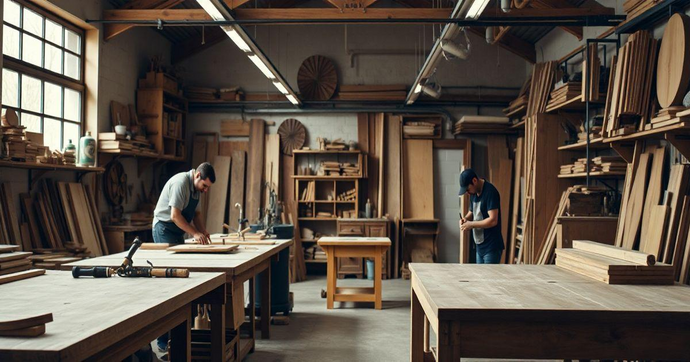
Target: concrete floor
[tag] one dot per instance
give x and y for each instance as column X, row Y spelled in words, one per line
column 350, row 332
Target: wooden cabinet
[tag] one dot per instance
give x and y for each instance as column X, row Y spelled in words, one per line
column 165, row 116
column 365, row 228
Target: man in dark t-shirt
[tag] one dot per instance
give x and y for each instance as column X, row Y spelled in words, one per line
column 484, row 217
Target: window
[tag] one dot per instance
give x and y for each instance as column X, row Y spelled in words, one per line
column 42, row 78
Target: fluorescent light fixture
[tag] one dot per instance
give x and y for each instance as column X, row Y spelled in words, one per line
column 418, row 89
column 281, row 87
column 462, row 52
column 237, row 39
column 262, row 67
column 292, row 99
column 211, row 10
column 433, row 91
column 476, row 9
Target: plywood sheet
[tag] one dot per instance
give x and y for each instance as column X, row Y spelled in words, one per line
column 237, row 186
column 79, row 207
column 217, row 195
column 255, row 169
column 272, row 166
column 418, row 173
column 393, row 184
column 226, row 148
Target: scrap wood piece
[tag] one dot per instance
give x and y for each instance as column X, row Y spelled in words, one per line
column 632, row 256
column 237, row 186
column 196, row 248
column 9, row 278
column 9, row 248
column 34, row 331
column 218, row 195
column 681, row 175
column 14, row 256
column 636, row 203
column 25, row 322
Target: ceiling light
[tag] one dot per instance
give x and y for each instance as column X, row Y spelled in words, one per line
column 292, row 99
column 237, row 39
column 432, row 90
column 505, row 6
column 262, row 67
column 211, row 9
column 476, row 9
column 418, row 88
column 281, row 87
column 490, row 35
column 456, row 50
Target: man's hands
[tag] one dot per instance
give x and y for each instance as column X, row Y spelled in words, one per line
column 202, row 238
column 466, row 225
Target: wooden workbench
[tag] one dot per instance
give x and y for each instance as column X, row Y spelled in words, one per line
column 543, row 312
column 239, row 266
column 350, row 246
column 102, row 319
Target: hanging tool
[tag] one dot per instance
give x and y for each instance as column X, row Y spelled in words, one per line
column 127, row 270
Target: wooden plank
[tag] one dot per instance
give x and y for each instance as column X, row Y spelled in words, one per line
column 9, row 278
column 95, row 217
column 234, row 128
column 632, row 256
column 500, row 175
column 30, row 214
column 71, row 223
column 202, row 249
column 10, row 214
column 78, row 205
column 654, row 190
column 237, row 186
column 272, row 166
column 25, row 322
column 682, row 237
column 418, row 171
column 677, row 194
column 656, row 233
column 393, row 187
column 634, row 211
column 226, row 148
column 380, row 124
column 517, row 197
column 218, row 195
column 255, row 169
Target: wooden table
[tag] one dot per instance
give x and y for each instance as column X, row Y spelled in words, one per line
column 543, row 312
column 244, row 264
column 338, row 247
column 102, row 319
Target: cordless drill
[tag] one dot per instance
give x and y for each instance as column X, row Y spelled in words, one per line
column 128, row 270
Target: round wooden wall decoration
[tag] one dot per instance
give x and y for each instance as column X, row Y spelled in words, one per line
column 292, row 135
column 673, row 67
column 115, row 183
column 317, row 78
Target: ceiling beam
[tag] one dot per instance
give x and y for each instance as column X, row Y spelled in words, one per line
column 112, row 30
column 351, row 4
column 546, row 12
column 513, row 44
column 193, row 45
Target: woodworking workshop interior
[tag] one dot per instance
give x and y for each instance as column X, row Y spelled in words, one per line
column 345, row 180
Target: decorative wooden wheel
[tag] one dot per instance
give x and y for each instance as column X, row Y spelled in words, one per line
column 317, row 78
column 115, row 183
column 292, row 135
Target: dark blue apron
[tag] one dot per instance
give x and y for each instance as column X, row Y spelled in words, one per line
column 168, row 232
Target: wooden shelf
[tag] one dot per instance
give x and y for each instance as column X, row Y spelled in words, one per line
column 173, row 138
column 173, row 109
column 317, row 219
column 682, row 127
column 594, row 143
column 575, row 104
column 597, row 174
column 47, row 166
column 142, row 155
column 315, row 261
column 320, row 152
column 303, row 177
column 327, row 202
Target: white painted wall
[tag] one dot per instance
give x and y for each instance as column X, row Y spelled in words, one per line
column 447, row 169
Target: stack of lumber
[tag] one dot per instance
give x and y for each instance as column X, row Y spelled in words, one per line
column 613, row 265
column 333, row 145
column 634, row 8
column 13, row 277
column 481, row 124
column 543, row 76
column 394, row 92
column 314, row 253
column 309, row 192
column 81, row 217
column 230, row 94
column 200, row 94
column 418, row 129
column 592, row 68
column 518, row 106
column 109, row 141
column 565, row 93
column 350, row 195
column 333, row 168
column 605, row 164
column 629, row 103
column 25, row 326
column 54, row 260
column 17, row 147
column 669, row 116
column 547, row 246
column 12, row 261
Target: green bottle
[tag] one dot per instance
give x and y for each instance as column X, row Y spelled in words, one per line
column 87, row 150
column 70, row 148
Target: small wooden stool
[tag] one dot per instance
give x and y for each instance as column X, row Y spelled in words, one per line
column 337, row 247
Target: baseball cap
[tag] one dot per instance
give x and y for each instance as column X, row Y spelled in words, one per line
column 465, row 180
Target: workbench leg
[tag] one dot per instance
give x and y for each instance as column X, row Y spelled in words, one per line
column 266, row 303
column 331, row 275
column 252, row 312
column 448, row 342
column 218, row 332
column 426, row 334
column 180, row 340
column 377, row 277
column 417, row 330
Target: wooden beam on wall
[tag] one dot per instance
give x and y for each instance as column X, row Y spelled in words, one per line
column 513, row 44
column 194, row 45
column 112, row 30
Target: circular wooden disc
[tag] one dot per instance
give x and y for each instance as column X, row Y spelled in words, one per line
column 115, row 183
column 317, row 78
column 673, row 67
column 292, row 135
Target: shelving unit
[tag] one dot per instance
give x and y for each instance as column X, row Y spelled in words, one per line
column 165, row 116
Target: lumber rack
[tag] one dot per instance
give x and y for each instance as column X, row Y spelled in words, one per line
column 652, row 17
column 143, row 161
column 677, row 135
column 584, row 51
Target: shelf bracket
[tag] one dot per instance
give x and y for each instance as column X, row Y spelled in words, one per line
column 680, row 142
column 36, row 175
column 625, row 150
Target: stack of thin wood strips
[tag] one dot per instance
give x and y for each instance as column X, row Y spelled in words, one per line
column 613, row 265
column 565, row 93
column 481, row 124
column 629, row 104
column 634, row 8
column 518, row 106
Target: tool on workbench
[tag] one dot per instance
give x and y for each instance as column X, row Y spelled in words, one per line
column 128, row 270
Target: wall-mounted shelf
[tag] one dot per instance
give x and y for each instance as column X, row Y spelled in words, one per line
column 594, row 174
column 593, row 144
column 651, row 17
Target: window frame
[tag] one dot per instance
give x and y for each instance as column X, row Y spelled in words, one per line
column 46, row 75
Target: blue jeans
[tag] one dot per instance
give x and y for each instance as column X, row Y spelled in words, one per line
column 491, row 257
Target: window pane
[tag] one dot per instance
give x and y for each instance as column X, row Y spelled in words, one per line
column 10, row 88
column 52, row 99
column 72, row 67
column 52, row 133
column 71, row 133
column 31, row 122
column 54, row 32
column 72, row 105
column 53, row 58
column 72, row 41
column 31, row 93
column 10, row 42
column 11, row 12
column 32, row 49
column 32, row 22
